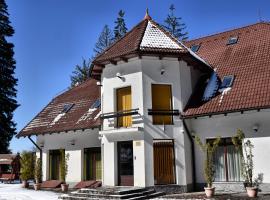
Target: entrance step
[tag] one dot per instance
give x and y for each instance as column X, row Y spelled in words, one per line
column 129, row 193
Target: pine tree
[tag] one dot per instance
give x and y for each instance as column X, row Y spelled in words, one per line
column 81, row 73
column 120, row 28
column 174, row 25
column 8, row 82
column 104, row 41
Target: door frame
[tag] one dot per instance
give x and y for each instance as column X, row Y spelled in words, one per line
column 173, row 162
column 118, row 161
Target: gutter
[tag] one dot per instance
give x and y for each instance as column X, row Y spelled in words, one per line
column 192, row 153
column 40, row 152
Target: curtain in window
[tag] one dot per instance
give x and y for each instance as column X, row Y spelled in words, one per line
column 219, row 161
column 227, row 164
column 234, row 164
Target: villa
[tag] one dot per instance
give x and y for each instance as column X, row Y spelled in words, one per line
column 132, row 123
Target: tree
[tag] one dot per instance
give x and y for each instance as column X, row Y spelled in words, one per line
column 120, row 28
column 81, row 72
column 174, row 25
column 105, row 39
column 8, row 82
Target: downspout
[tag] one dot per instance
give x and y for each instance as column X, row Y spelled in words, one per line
column 40, row 151
column 192, row 152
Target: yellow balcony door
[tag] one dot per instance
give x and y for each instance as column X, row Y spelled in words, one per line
column 124, row 103
column 161, row 100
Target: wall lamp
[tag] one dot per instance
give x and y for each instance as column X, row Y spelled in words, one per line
column 162, row 71
column 118, row 74
column 41, row 144
column 72, row 142
column 255, row 127
column 99, row 84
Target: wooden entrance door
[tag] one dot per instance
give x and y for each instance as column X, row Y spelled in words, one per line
column 125, row 163
column 124, row 103
column 164, row 164
column 54, row 162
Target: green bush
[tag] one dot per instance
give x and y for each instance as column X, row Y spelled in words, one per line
column 38, row 170
column 27, row 165
column 63, row 165
column 208, row 149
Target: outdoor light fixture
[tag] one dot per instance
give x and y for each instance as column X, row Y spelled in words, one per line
column 72, row 142
column 41, row 144
column 255, row 127
column 99, row 83
column 162, row 71
column 118, row 74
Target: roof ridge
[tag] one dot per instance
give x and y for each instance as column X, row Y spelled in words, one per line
column 120, row 39
column 233, row 29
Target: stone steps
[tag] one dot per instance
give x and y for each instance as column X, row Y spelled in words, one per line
column 129, row 194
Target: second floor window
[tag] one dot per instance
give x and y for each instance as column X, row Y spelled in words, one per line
column 124, row 103
column 162, row 101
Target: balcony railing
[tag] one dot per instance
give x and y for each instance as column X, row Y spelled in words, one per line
column 118, row 114
column 163, row 112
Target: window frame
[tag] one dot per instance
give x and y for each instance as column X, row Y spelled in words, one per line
column 232, row 77
column 232, row 40
column 196, row 46
column 171, row 102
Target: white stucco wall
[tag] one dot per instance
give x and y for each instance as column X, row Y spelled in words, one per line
column 140, row 74
column 226, row 126
column 83, row 139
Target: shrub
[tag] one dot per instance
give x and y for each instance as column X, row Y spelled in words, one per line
column 208, row 149
column 27, row 165
column 38, row 170
column 63, row 165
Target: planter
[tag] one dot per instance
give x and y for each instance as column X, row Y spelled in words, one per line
column 252, row 191
column 64, row 187
column 209, row 191
column 37, row 186
column 25, row 184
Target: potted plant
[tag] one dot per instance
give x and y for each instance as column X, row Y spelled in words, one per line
column 27, row 168
column 209, row 169
column 37, row 174
column 64, row 170
column 244, row 146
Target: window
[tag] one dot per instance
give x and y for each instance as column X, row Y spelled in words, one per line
column 96, row 104
column 232, row 40
column 161, row 100
column 54, row 164
column 67, row 107
column 227, row 81
column 92, row 164
column 123, row 104
column 227, row 162
column 195, row 47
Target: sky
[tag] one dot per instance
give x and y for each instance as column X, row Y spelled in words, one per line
column 52, row 36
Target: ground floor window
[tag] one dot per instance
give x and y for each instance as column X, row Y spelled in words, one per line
column 227, row 162
column 164, row 162
column 92, row 164
column 54, row 164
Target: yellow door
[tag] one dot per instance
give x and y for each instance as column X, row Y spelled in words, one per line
column 124, row 103
column 161, row 100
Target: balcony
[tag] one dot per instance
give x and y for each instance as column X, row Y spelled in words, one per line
column 123, row 125
column 163, row 117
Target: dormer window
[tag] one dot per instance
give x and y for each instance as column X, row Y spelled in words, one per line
column 195, row 47
column 227, row 81
column 67, row 107
column 232, row 40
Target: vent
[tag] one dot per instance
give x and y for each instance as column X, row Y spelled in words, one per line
column 195, row 47
column 232, row 40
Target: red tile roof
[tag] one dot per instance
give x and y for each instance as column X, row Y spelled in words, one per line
column 248, row 60
column 131, row 45
column 82, row 96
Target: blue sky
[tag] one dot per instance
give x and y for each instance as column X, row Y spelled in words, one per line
column 52, row 36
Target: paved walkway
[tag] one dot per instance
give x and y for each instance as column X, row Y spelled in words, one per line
column 218, row 196
column 16, row 192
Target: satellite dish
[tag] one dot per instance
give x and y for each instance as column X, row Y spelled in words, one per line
column 211, row 88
